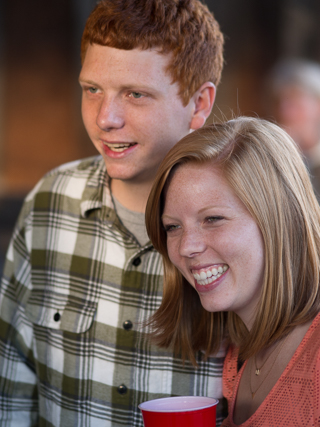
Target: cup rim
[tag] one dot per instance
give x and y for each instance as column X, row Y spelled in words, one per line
column 211, row 401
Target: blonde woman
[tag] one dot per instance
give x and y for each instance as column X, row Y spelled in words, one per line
column 232, row 212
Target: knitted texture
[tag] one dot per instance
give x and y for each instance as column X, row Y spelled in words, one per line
column 295, row 398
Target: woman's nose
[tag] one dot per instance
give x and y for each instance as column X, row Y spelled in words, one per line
column 192, row 243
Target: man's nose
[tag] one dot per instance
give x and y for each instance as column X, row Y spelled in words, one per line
column 110, row 115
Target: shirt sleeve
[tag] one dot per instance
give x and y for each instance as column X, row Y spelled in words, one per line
column 18, row 380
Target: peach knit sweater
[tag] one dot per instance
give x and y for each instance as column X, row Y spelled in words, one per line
column 295, row 398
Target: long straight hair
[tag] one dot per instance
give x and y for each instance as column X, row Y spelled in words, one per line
column 265, row 170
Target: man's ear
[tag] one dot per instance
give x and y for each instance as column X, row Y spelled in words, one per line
column 203, row 101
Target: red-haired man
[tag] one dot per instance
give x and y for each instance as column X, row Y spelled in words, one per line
column 81, row 275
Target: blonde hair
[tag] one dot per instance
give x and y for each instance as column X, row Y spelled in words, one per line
column 264, row 168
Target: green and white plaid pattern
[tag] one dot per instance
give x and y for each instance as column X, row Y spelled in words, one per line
column 73, row 276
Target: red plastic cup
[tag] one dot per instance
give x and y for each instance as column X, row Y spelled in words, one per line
column 182, row 411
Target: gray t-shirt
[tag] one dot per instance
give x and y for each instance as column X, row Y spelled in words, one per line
column 133, row 221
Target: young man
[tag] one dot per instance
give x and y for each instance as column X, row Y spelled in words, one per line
column 81, row 276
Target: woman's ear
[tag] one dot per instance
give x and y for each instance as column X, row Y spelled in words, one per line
column 203, row 101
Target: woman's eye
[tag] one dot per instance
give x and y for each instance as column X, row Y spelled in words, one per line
column 212, row 219
column 170, row 227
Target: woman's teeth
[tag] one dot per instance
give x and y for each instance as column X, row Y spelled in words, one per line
column 209, row 276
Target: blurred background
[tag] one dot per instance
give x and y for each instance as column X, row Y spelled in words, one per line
column 40, row 121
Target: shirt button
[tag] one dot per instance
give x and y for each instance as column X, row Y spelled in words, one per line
column 136, row 261
column 122, row 389
column 57, row 317
column 127, row 325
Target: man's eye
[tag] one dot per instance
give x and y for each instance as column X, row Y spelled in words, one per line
column 92, row 89
column 136, row 95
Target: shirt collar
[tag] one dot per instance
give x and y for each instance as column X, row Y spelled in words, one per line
column 97, row 193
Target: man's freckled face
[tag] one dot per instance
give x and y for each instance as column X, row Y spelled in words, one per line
column 131, row 109
column 209, row 227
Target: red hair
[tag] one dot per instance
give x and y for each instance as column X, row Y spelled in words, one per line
column 186, row 29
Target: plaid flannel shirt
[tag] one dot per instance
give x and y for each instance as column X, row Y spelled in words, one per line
column 75, row 291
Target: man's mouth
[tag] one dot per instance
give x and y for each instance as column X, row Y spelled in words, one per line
column 119, row 147
column 208, row 276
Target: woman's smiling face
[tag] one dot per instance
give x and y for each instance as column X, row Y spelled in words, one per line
column 213, row 240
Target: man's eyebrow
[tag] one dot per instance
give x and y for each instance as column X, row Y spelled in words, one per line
column 141, row 87
column 133, row 87
column 84, row 80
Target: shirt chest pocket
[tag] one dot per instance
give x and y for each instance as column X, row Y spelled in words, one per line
column 62, row 329
column 60, row 311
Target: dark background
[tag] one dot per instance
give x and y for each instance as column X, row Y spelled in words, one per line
column 40, row 121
